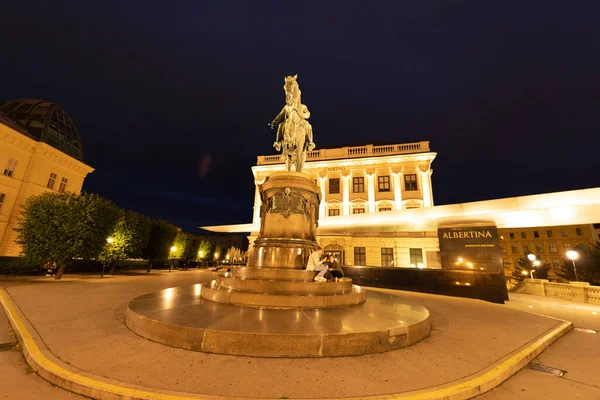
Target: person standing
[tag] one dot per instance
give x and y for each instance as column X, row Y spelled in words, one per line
column 315, row 264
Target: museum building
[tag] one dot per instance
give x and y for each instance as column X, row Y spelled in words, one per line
column 40, row 151
column 377, row 209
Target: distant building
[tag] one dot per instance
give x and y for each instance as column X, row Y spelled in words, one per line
column 549, row 243
column 369, row 180
column 40, row 151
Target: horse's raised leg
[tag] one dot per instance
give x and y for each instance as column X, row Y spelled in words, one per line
column 300, row 158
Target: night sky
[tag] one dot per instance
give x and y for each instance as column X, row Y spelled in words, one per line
column 172, row 99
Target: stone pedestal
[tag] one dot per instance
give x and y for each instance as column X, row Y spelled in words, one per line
column 288, row 224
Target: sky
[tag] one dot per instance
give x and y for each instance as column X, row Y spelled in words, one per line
column 172, row 98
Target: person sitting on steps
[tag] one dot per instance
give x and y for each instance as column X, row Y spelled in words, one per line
column 334, row 267
column 315, row 264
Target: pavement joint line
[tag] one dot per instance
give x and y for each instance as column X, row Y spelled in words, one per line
column 470, row 386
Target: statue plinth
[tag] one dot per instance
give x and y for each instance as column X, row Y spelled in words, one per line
column 288, row 221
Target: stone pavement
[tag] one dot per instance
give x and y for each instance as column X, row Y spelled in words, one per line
column 577, row 353
column 81, row 321
column 18, row 379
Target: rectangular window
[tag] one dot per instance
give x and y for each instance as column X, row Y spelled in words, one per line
column 539, row 248
column 416, row 257
column 567, row 247
column 526, row 249
column 410, row 182
column 523, row 235
column 10, row 167
column 536, row 234
column 387, row 257
column 514, row 249
column 2, row 197
column 51, row 181
column 385, row 208
column 579, row 231
column 333, row 212
column 549, row 233
column 552, row 248
column 334, row 186
column 556, row 264
column 384, row 183
column 502, row 250
column 358, row 185
column 360, row 256
column 63, row 184
column 511, row 235
column 563, row 232
column 358, row 211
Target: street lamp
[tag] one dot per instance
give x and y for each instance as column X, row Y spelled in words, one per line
column 109, row 240
column 173, row 250
column 573, row 255
column 534, row 261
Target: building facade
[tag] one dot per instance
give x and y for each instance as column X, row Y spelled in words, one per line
column 40, row 151
column 367, row 181
column 549, row 243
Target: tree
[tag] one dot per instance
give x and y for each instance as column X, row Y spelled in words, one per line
column 162, row 236
column 522, row 269
column 525, row 266
column 182, row 245
column 57, row 227
column 205, row 250
column 588, row 264
column 128, row 239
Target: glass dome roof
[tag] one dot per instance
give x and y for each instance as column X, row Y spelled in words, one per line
column 46, row 122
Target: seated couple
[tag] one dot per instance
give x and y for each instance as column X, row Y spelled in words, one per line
column 327, row 269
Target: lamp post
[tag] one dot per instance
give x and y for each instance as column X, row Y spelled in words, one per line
column 173, row 250
column 573, row 255
column 533, row 259
column 109, row 240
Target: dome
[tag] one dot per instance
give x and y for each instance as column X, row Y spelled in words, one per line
column 46, row 122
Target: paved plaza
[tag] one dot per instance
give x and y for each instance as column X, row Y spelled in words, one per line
column 81, row 322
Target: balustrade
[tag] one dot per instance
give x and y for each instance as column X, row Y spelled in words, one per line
column 353, row 152
column 575, row 291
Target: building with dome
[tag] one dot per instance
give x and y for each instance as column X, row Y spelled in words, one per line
column 40, row 151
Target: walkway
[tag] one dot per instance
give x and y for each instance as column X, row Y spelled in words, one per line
column 81, row 322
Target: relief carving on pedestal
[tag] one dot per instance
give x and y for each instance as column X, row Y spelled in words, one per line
column 288, row 202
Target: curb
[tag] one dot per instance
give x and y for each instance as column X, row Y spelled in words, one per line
column 62, row 375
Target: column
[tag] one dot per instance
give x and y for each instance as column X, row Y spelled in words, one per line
column 426, row 187
column 322, row 184
column 431, row 187
column 371, row 191
column 257, row 202
column 397, row 182
column 346, row 194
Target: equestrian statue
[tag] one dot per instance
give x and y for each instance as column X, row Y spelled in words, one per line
column 294, row 133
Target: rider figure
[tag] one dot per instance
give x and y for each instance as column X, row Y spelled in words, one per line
column 284, row 114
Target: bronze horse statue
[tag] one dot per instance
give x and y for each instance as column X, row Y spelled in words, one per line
column 294, row 132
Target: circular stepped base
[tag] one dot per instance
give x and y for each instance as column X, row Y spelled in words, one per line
column 331, row 296
column 284, row 285
column 280, row 288
column 180, row 317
